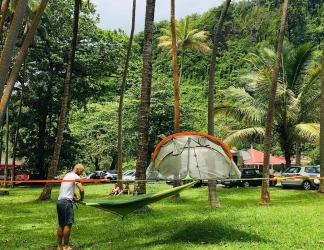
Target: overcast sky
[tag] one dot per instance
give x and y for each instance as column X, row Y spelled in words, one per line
column 116, row 14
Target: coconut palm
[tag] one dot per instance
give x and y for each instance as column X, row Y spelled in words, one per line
column 296, row 102
column 143, row 127
column 321, row 187
column 20, row 59
column 175, row 71
column 121, row 99
column 46, row 194
column 265, row 192
column 11, row 41
column 186, row 38
column 213, row 200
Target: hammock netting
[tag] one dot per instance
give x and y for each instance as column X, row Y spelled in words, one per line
column 122, row 207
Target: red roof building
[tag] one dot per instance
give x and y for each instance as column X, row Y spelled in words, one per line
column 257, row 160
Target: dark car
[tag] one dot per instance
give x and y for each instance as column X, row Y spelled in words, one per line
column 253, row 178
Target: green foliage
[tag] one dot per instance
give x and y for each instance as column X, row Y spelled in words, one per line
column 249, row 26
column 296, row 113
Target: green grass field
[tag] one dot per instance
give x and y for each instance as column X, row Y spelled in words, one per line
column 293, row 221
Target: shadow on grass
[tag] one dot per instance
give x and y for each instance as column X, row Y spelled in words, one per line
column 210, row 232
column 205, row 232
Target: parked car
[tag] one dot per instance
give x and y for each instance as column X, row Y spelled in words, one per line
column 110, row 176
column 97, row 175
column 113, row 172
column 253, row 178
column 129, row 175
column 300, row 177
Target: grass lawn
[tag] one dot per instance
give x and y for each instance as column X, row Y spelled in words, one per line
column 293, row 221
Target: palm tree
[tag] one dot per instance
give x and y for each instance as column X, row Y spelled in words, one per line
column 187, row 38
column 213, row 200
column 175, row 72
column 296, row 102
column 20, row 59
column 265, row 192
column 176, row 82
column 143, row 127
column 4, row 10
column 46, row 194
column 321, row 187
column 11, row 41
column 121, row 99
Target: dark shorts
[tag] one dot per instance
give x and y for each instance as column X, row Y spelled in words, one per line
column 65, row 212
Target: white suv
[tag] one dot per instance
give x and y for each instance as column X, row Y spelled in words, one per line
column 300, row 176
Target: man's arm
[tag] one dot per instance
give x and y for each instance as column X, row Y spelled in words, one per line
column 81, row 190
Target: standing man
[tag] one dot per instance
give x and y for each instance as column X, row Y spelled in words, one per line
column 64, row 205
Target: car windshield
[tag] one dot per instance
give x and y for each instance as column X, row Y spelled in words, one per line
column 292, row 170
column 129, row 173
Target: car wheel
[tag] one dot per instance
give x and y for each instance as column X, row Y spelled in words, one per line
column 246, row 184
column 306, row 185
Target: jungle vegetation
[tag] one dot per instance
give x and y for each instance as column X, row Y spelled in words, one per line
column 244, row 56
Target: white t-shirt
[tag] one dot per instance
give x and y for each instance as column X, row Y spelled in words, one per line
column 67, row 188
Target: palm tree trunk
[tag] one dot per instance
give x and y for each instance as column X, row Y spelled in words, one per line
column 176, row 82
column 321, row 187
column 181, row 66
column 14, row 150
column 20, row 59
column 175, row 72
column 11, row 42
column 298, row 153
column 143, row 128
column 46, row 194
column 121, row 99
column 265, row 192
column 213, row 200
column 7, row 148
column 4, row 11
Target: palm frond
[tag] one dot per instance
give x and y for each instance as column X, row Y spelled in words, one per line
column 300, row 64
column 241, row 106
column 242, row 136
column 307, row 132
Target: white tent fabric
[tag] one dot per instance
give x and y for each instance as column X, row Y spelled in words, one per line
column 203, row 156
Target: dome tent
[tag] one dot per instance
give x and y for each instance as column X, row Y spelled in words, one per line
column 198, row 155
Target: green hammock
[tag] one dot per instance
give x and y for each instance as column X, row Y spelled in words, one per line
column 125, row 206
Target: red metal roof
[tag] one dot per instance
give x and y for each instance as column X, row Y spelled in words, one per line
column 257, row 158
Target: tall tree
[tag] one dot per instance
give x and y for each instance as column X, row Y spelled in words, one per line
column 321, row 187
column 176, row 81
column 20, row 59
column 213, row 200
column 11, row 42
column 143, row 128
column 46, row 194
column 265, row 192
column 121, row 99
column 296, row 115
column 175, row 71
column 4, row 10
column 187, row 38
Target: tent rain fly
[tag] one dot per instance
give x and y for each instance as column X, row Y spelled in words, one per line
column 202, row 156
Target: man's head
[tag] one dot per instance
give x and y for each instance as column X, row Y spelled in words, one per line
column 78, row 169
